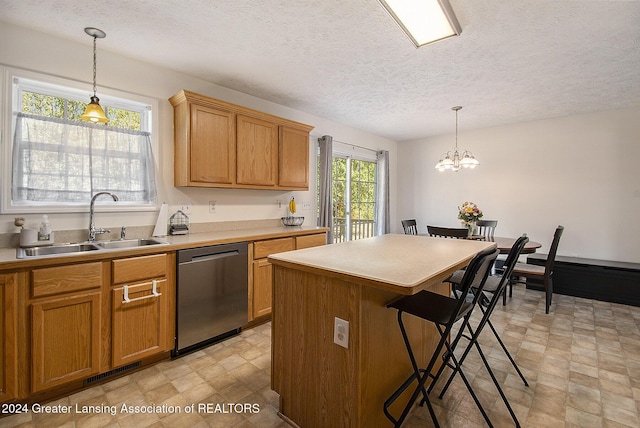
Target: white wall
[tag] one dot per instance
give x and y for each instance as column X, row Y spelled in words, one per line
column 580, row 171
column 43, row 53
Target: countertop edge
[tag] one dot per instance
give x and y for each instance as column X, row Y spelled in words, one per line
column 380, row 284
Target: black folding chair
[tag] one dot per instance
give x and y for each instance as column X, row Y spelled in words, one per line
column 494, row 287
column 444, row 312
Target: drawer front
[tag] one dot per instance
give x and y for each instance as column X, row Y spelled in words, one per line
column 262, row 249
column 138, row 268
column 64, row 279
column 310, row 241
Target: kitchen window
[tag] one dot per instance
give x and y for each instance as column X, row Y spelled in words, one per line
column 56, row 162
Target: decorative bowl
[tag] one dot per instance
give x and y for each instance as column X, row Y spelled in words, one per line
column 292, row 221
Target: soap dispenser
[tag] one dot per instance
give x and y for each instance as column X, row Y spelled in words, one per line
column 45, row 234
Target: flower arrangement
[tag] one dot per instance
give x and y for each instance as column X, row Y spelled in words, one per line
column 469, row 212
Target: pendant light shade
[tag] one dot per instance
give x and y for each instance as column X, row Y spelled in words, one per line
column 452, row 161
column 94, row 112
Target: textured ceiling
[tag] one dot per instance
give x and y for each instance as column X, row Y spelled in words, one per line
column 346, row 60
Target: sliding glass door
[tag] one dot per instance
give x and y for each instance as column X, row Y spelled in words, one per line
column 354, row 188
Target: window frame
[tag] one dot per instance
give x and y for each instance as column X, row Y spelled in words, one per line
column 10, row 96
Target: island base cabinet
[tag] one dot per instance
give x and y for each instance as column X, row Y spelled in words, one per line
column 65, row 340
column 139, row 321
column 323, row 384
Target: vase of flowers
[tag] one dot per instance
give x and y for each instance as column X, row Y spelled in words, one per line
column 469, row 214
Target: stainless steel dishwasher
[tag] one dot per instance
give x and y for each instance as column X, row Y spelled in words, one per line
column 211, row 293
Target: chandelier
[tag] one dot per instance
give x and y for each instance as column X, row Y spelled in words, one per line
column 453, row 161
column 94, row 112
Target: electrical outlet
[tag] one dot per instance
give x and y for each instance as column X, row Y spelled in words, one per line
column 306, row 205
column 185, row 207
column 279, row 203
column 212, row 207
column 341, row 332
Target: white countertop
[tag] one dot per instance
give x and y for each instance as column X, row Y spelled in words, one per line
column 399, row 263
column 8, row 258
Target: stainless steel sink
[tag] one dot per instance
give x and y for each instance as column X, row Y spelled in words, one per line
column 129, row 243
column 60, row 249
column 56, row 249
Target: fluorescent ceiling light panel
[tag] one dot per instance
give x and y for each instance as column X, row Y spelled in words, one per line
column 424, row 21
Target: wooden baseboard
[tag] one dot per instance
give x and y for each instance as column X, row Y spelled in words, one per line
column 257, row 321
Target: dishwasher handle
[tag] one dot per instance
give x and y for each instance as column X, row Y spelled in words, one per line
column 207, row 257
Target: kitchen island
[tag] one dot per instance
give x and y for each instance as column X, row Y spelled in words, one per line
column 321, row 383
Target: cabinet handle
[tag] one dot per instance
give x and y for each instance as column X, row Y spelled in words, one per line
column 154, row 293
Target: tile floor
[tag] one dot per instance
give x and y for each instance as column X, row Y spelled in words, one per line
column 582, row 362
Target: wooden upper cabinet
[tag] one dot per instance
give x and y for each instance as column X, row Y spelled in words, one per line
column 257, row 151
column 211, row 151
column 219, row 144
column 294, row 158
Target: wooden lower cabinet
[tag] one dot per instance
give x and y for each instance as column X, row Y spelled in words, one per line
column 139, row 327
column 262, row 285
column 261, row 280
column 89, row 318
column 140, row 297
column 65, row 344
column 8, row 337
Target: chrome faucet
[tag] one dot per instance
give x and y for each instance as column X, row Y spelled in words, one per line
column 93, row 231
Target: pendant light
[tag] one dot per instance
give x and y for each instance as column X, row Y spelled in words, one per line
column 453, row 161
column 94, row 112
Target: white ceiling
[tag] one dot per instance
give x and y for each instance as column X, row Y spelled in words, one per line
column 347, row 60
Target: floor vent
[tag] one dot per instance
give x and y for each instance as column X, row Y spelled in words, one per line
column 102, row 376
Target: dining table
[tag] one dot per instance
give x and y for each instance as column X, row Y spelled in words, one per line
column 504, row 244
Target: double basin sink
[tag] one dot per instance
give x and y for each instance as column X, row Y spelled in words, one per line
column 81, row 247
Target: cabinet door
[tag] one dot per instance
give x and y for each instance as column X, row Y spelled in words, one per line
column 140, row 324
column 293, row 158
column 262, row 287
column 257, row 151
column 211, row 152
column 8, row 338
column 65, row 341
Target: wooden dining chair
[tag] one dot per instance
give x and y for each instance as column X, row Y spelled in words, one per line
column 544, row 273
column 448, row 232
column 410, row 227
column 487, row 228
